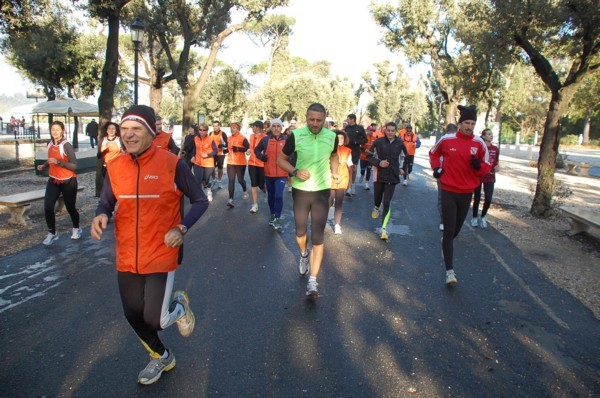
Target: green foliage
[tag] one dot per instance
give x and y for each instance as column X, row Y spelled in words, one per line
column 55, row 56
column 17, row 16
column 224, row 96
column 570, row 140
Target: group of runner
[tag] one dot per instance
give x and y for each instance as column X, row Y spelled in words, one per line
column 322, row 164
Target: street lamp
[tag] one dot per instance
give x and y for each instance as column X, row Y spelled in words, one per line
column 137, row 36
column 439, row 97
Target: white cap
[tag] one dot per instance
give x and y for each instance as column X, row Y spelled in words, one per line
column 276, row 121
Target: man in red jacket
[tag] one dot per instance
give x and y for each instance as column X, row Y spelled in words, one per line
column 465, row 161
column 142, row 183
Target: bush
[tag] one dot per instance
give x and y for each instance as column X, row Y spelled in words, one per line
column 569, row 140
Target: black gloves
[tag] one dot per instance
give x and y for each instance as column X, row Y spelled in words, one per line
column 437, row 173
column 475, row 163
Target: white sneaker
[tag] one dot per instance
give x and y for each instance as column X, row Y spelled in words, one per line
column 186, row 322
column 441, row 227
column 50, row 238
column 405, row 182
column 254, row 208
column 245, row 195
column 474, row 222
column 290, row 188
column 337, row 229
column 76, row 235
column 303, row 265
column 220, row 185
column 362, row 178
column 450, row 277
column 483, row 222
column 311, row 289
column 209, row 195
column 367, row 186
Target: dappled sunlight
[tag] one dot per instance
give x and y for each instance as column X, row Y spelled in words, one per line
column 306, row 356
column 92, row 357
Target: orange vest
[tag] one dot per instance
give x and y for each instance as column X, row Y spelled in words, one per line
column 114, row 149
column 149, row 205
column 274, row 148
column 410, row 142
column 57, row 172
column 162, row 140
column 367, row 146
column 204, row 145
column 379, row 133
column 236, row 158
column 344, row 154
column 254, row 140
column 218, row 139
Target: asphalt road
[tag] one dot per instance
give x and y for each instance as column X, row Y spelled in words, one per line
column 386, row 324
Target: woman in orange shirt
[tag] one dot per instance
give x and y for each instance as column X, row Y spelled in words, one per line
column 236, row 161
column 110, row 144
column 63, row 180
column 338, row 189
column 203, row 158
column 256, row 167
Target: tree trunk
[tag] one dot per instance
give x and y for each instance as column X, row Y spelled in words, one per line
column 542, row 200
column 110, row 72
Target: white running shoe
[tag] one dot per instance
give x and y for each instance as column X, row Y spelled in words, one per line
column 405, row 182
column 254, row 208
column 367, row 186
column 290, row 188
column 209, row 195
column 303, row 265
column 230, row 203
column 483, row 222
column 245, row 195
column 152, row 372
column 311, row 289
column 50, row 239
column 76, row 234
column 337, row 229
column 441, row 227
column 450, row 277
column 186, row 322
column 362, row 178
column 220, row 185
column 474, row 222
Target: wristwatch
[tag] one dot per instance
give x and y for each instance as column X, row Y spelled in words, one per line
column 182, row 228
column 293, row 173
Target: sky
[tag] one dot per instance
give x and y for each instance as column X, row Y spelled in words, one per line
column 339, row 31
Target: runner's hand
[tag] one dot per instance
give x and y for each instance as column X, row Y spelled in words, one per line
column 173, row 237
column 99, row 224
column 303, row 174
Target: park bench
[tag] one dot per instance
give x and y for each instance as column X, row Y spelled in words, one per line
column 19, row 203
column 581, row 220
column 577, row 168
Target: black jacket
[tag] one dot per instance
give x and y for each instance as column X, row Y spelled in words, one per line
column 383, row 149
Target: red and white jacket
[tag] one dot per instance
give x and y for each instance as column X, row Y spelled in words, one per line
column 453, row 154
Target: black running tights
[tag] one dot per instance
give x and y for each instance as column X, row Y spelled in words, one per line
column 69, row 193
column 234, row 171
column 455, row 207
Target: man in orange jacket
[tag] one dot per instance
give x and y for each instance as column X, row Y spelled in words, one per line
column 142, row 182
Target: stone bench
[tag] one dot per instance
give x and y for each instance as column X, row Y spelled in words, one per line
column 581, row 220
column 19, row 203
column 577, row 168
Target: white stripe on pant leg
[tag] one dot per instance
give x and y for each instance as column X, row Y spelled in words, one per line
column 168, row 318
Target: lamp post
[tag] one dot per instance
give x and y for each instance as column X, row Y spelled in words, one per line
column 439, row 97
column 137, row 36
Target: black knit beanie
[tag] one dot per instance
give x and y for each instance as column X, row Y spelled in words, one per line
column 467, row 113
column 141, row 114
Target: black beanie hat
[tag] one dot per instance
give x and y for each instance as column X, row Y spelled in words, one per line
column 141, row 114
column 467, row 113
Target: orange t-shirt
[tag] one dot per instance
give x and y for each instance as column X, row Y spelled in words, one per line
column 344, row 153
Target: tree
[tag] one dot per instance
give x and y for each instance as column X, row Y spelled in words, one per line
column 108, row 11
column 225, row 96
column 204, row 23
column 17, row 16
column 560, row 30
column 586, row 106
